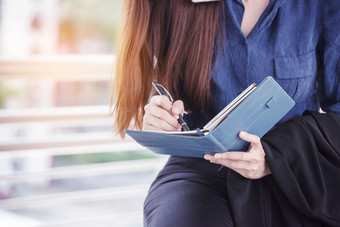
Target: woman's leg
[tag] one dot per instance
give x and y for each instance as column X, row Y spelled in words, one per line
column 188, row 199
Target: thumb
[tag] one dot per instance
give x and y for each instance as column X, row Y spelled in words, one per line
column 177, row 108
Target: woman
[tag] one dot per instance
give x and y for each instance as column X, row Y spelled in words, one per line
column 206, row 54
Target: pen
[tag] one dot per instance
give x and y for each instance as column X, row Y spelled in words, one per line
column 162, row 91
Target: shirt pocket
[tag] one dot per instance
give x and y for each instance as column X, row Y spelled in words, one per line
column 296, row 75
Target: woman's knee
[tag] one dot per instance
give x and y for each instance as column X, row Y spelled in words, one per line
column 185, row 203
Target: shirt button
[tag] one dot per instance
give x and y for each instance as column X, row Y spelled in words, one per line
column 245, row 42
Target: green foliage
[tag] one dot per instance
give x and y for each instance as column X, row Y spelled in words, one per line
column 5, row 93
column 102, row 157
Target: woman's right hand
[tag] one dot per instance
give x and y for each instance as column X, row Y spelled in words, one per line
column 161, row 114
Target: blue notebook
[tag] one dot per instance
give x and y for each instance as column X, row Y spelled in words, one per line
column 256, row 110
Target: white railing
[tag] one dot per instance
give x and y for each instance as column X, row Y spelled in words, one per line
column 61, row 67
column 98, row 68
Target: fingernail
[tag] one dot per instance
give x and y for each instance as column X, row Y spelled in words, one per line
column 176, row 110
column 207, row 157
column 242, row 133
column 176, row 116
column 218, row 155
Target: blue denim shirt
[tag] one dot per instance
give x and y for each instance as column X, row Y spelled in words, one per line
column 297, row 42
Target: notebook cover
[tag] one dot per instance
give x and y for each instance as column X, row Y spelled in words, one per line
column 257, row 114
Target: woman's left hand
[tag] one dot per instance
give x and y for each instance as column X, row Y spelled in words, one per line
column 251, row 164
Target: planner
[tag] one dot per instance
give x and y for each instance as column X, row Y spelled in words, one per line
column 256, row 110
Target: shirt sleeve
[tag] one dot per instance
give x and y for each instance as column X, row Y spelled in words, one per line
column 329, row 57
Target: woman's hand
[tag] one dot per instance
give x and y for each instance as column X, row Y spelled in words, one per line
column 161, row 114
column 251, row 164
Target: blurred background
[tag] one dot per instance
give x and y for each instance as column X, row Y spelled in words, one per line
column 60, row 162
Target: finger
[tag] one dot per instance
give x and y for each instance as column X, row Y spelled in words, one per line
column 208, row 157
column 244, row 166
column 233, row 155
column 156, row 108
column 238, row 156
column 232, row 164
column 249, row 137
column 154, row 128
column 252, row 169
column 254, row 156
column 161, row 101
column 151, row 122
column 177, row 108
column 251, row 173
column 163, row 115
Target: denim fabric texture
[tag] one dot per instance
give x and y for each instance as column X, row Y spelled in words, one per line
column 297, row 42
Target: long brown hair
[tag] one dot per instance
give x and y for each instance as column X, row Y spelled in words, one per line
column 170, row 41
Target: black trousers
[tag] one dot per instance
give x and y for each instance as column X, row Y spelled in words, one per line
column 188, row 192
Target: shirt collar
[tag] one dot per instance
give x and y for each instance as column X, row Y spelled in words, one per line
column 279, row 2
